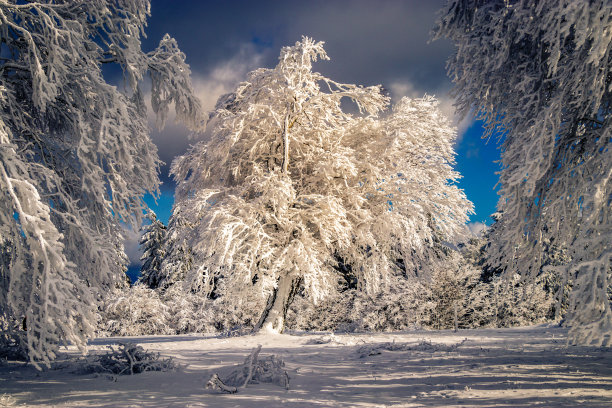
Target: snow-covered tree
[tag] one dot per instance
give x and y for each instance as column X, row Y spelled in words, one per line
column 75, row 154
column 178, row 256
column 449, row 292
column 152, row 244
column 540, row 74
column 291, row 189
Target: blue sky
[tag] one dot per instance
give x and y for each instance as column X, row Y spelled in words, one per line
column 369, row 43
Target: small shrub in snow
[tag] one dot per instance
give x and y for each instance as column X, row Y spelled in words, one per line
column 134, row 311
column 457, row 293
column 188, row 312
column 127, row 358
column 449, row 292
column 507, row 303
column 194, row 313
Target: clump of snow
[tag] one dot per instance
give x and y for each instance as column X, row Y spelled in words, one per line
column 7, row 401
column 328, row 338
column 423, row 345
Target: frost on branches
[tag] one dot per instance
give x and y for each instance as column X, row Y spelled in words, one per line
column 539, row 72
column 178, row 256
column 75, row 157
column 291, row 189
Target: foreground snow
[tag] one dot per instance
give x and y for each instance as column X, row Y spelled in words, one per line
column 493, row 367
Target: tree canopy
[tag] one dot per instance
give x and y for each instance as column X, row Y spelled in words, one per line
column 289, row 186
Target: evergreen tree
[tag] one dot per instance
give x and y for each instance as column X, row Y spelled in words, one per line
column 152, row 244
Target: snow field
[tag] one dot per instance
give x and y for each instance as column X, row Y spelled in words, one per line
column 518, row 367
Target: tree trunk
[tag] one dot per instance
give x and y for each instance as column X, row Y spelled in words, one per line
column 272, row 319
column 455, row 315
column 287, row 125
column 285, row 163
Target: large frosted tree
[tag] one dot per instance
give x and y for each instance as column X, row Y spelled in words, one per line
column 540, row 74
column 290, row 188
column 75, row 157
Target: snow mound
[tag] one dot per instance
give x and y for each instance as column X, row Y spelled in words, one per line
column 423, row 345
column 327, row 339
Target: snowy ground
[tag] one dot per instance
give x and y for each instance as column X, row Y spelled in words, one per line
column 517, row 367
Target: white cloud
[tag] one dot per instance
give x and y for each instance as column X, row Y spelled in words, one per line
column 224, row 77
column 400, row 89
column 131, row 246
column 477, row 228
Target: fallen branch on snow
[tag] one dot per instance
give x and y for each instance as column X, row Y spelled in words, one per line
column 269, row 369
column 125, row 358
column 215, row 383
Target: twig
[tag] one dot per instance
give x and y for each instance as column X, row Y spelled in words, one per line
column 252, row 363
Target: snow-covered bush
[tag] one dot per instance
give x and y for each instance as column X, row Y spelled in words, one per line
column 135, row 311
column 450, row 292
column 524, row 302
column 188, row 312
column 490, row 298
column 354, row 311
column 457, row 290
column 125, row 359
column 457, row 293
column 507, row 303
